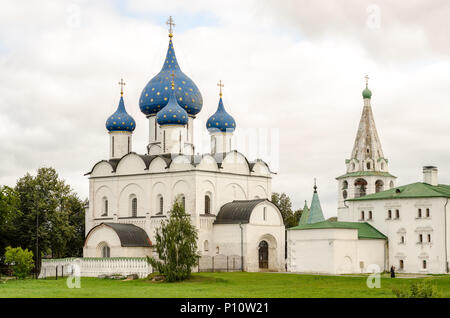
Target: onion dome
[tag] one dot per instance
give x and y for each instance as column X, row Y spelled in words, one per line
column 221, row 120
column 366, row 93
column 172, row 113
column 120, row 120
column 156, row 93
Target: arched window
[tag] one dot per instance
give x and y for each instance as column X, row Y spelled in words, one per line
column 264, row 213
column 362, row 215
column 382, row 166
column 419, row 213
column 105, row 206
column 344, row 194
column 368, row 165
column 397, row 214
column 206, row 246
column 420, row 238
column 217, row 250
column 161, row 205
column 207, row 204
column 379, row 186
column 424, row 264
column 344, row 185
column 389, row 214
column 353, row 166
column 106, row 252
column 428, row 213
column 402, row 240
column 134, row 207
column 360, row 188
column 401, row 264
column 429, row 238
column 370, row 215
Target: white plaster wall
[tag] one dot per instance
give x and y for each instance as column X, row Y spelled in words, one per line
column 105, row 234
column 332, row 251
column 223, row 186
column 410, row 226
column 121, row 147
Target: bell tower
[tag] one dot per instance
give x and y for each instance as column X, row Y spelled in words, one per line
column 367, row 169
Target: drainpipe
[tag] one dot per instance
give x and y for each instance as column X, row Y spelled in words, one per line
column 242, row 246
column 445, row 235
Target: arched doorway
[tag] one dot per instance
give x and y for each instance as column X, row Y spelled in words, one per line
column 263, row 252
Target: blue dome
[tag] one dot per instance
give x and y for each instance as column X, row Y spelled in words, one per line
column 157, row 91
column 172, row 113
column 120, row 120
column 221, row 120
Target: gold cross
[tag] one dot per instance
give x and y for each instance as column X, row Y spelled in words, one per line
column 171, row 24
column 367, row 80
column 220, row 85
column 122, row 84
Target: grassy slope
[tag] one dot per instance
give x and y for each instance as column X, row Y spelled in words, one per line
column 219, row 285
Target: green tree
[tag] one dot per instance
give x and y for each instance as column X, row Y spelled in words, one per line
column 49, row 208
column 9, row 211
column 176, row 245
column 20, row 260
column 284, row 204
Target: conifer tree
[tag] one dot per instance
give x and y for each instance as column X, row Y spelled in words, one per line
column 176, row 245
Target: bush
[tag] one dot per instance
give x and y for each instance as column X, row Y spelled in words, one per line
column 423, row 289
column 20, row 260
column 176, row 246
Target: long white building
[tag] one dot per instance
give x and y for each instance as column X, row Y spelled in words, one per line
column 379, row 225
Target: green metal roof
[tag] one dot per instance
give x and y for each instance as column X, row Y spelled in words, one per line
column 365, row 230
column 305, row 215
column 366, row 173
column 315, row 211
column 413, row 190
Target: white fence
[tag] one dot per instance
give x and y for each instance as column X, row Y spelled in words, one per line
column 94, row 267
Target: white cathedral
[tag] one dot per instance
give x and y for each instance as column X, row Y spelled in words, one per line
column 226, row 195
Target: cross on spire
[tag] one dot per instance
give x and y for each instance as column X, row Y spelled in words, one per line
column 171, row 24
column 122, row 84
column 220, row 84
column 367, row 80
column 315, row 185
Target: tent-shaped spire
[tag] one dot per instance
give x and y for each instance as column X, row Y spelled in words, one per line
column 367, row 143
column 305, row 215
column 315, row 212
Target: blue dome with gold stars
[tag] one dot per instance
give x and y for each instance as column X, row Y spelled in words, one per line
column 120, row 120
column 157, row 91
column 221, row 120
column 172, row 113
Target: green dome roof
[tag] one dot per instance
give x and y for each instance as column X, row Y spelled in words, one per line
column 367, row 93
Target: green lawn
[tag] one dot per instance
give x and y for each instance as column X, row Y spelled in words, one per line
column 220, row 285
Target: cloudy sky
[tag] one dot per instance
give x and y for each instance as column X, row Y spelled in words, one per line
column 292, row 68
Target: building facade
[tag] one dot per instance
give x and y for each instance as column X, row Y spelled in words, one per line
column 138, row 190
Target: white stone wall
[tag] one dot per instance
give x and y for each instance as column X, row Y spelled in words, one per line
column 410, row 226
column 332, row 251
column 233, row 181
column 107, row 235
column 95, row 267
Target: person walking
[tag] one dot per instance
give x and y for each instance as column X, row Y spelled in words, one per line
column 392, row 271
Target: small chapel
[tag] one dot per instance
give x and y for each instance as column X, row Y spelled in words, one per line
column 226, row 195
